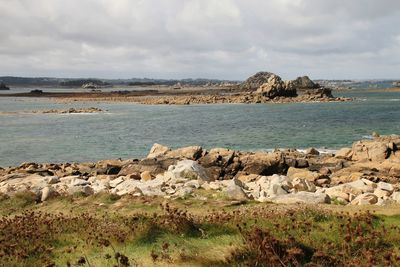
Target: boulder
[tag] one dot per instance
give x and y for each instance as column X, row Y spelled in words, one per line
column 115, row 182
column 158, row 150
column 386, row 187
column 263, row 163
column 318, row 93
column 146, row 176
column 396, row 197
column 365, row 199
column 301, row 197
column 304, row 82
column 381, row 193
column 254, row 82
column 47, row 193
column 373, row 150
column 217, row 157
column 303, row 185
column 191, row 152
column 312, row 151
column 235, row 192
column 84, row 190
column 293, row 173
column 344, row 153
column 275, row 87
column 187, row 169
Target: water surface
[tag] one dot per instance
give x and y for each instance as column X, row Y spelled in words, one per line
column 128, row 130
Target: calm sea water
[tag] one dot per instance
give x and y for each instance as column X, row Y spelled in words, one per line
column 128, row 130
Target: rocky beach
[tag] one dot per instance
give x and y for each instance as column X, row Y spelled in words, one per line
column 365, row 174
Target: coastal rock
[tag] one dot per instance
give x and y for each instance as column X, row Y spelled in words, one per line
column 235, row 192
column 187, row 169
column 373, row 150
column 318, row 93
column 303, row 174
column 302, row 197
column 396, row 197
column 217, row 156
column 47, row 193
column 386, row 187
column 344, row 153
column 158, row 150
column 254, row 82
column 312, row 151
column 304, row 82
column 263, row 163
column 365, row 199
column 146, row 176
column 191, row 152
column 84, row 190
column 303, row 185
column 275, row 87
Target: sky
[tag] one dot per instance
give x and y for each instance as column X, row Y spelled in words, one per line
column 222, row 39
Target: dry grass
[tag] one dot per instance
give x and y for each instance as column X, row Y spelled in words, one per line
column 106, row 230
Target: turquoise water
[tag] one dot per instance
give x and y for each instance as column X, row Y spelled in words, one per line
column 128, row 130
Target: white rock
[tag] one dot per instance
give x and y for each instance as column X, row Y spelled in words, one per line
column 157, row 150
column 386, row 186
column 396, row 197
column 79, row 182
column 380, row 193
column 365, row 199
column 117, row 181
column 301, row 197
column 47, row 192
column 303, row 185
column 235, row 192
column 193, row 184
column 52, row 179
column 187, row 169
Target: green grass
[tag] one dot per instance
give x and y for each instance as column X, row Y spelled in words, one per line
column 192, row 232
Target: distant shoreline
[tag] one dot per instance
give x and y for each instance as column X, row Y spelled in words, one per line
column 184, row 96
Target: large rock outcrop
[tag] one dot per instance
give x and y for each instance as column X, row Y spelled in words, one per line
column 254, row 82
column 275, row 87
column 304, row 83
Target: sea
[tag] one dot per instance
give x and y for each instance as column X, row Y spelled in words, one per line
column 128, row 130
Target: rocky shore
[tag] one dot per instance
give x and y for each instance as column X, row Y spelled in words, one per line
column 242, row 98
column 69, row 110
column 366, row 173
column 58, row 111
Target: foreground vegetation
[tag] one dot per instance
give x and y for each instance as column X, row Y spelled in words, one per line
column 106, row 230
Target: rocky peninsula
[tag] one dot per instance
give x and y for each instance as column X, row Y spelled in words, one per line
column 366, row 173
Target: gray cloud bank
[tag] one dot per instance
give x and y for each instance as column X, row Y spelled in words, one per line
column 227, row 39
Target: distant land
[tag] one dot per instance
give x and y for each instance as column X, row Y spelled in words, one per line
column 78, row 82
column 74, row 82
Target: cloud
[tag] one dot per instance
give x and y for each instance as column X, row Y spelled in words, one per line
column 200, row 38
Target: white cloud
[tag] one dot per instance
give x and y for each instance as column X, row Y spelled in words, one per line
column 200, row 38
